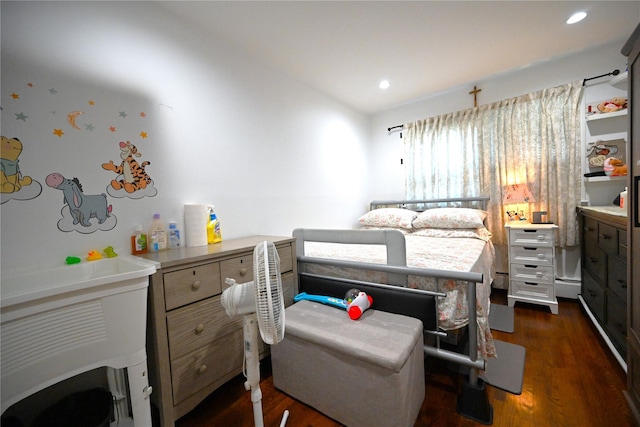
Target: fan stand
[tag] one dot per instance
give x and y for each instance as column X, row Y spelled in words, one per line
column 252, row 365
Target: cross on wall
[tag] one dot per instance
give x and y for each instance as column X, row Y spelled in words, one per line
column 474, row 92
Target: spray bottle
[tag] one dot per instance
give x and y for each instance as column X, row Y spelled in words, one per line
column 214, row 235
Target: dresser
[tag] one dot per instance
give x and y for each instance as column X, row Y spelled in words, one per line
column 532, row 264
column 604, row 273
column 193, row 346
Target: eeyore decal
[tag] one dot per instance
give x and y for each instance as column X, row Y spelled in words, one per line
column 80, row 208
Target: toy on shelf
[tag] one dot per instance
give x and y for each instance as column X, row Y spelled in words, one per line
column 614, row 104
column 94, row 256
column 109, row 252
column 355, row 302
column 614, row 167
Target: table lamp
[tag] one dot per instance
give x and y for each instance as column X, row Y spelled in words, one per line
column 517, row 194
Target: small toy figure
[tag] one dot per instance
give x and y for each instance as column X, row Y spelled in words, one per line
column 94, row 256
column 109, row 252
column 72, row 260
column 615, row 167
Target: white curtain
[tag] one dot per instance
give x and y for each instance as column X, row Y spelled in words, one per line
column 532, row 139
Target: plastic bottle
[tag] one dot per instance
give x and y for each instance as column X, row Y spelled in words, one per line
column 174, row 235
column 138, row 241
column 623, row 198
column 214, row 235
column 157, row 237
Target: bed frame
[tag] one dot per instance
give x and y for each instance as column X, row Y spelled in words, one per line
column 394, row 297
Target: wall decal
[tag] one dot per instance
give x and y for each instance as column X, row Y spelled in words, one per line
column 82, row 213
column 132, row 178
column 13, row 184
column 71, row 118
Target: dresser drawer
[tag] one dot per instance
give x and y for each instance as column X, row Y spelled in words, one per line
column 595, row 260
column 593, row 294
column 590, row 229
column 617, row 322
column 185, row 286
column 191, row 327
column 240, row 268
column 532, row 273
column 622, row 244
column 531, row 237
column 617, row 277
column 608, row 238
column 535, row 255
column 286, row 258
column 205, row 366
column 532, row 290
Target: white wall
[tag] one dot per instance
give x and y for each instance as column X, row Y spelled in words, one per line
column 271, row 153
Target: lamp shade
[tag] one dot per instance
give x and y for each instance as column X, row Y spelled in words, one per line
column 517, row 193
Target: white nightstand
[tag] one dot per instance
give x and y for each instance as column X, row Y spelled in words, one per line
column 532, row 265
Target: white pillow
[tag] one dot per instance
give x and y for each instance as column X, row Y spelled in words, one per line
column 450, row 218
column 389, row 217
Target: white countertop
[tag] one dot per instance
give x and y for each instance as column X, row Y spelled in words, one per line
column 611, row 210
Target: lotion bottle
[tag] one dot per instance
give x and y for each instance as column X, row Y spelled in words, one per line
column 158, row 239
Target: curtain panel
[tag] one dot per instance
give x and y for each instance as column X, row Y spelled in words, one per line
column 532, row 139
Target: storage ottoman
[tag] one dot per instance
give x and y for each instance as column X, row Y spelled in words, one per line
column 367, row 372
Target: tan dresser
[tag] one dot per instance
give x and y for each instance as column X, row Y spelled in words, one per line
column 193, row 346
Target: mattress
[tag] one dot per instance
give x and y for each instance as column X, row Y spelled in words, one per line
column 452, row 250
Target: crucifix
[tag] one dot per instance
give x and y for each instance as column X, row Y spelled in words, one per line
column 474, row 92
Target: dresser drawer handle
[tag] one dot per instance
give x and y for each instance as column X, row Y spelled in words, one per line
column 243, row 271
column 592, row 293
column 621, row 328
column 202, row 369
column 590, row 229
column 623, row 283
column 195, row 285
column 593, row 260
column 541, row 237
column 199, row 328
column 605, row 236
column 527, row 248
column 541, row 256
column 530, row 283
column 539, row 274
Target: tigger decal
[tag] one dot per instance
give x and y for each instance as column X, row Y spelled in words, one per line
column 131, row 174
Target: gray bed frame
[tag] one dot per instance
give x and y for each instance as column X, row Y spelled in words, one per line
column 473, row 401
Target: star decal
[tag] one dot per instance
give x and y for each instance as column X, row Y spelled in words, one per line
column 143, row 114
column 52, row 91
column 89, row 127
column 30, row 84
column 91, row 102
column 58, row 132
column 143, row 134
column 21, row 116
column 112, row 128
column 15, row 95
column 122, row 114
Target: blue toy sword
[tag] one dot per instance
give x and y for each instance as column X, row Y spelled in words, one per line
column 336, row 302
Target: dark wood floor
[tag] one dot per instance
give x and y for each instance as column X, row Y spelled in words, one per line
column 571, row 379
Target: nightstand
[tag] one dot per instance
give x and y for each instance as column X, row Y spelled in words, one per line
column 532, row 265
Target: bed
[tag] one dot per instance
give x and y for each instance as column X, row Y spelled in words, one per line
column 443, row 240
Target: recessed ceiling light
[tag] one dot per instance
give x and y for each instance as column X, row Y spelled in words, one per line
column 384, row 84
column 576, row 17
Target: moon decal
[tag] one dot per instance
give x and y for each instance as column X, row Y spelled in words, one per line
column 71, row 118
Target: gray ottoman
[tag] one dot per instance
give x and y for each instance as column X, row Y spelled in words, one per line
column 367, row 372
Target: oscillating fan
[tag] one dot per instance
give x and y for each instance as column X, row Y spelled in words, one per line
column 262, row 304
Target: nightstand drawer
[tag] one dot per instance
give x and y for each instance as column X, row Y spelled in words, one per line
column 532, row 290
column 185, row 286
column 532, row 273
column 532, row 237
column 531, row 255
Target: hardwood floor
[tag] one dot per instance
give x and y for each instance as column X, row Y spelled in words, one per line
column 571, row 379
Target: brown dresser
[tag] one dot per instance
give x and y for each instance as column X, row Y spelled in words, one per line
column 193, row 346
column 604, row 273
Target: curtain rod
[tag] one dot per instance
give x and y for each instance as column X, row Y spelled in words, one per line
column 394, row 127
column 613, row 73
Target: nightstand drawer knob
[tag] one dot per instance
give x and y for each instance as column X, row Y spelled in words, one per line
column 243, row 271
column 540, row 237
column 202, row 369
column 541, row 256
column 195, row 285
column 539, row 274
column 199, row 328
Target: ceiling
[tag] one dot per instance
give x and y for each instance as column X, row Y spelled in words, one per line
column 344, row 48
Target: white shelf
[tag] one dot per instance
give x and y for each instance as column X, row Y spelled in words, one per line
column 605, row 178
column 601, row 116
column 620, row 81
